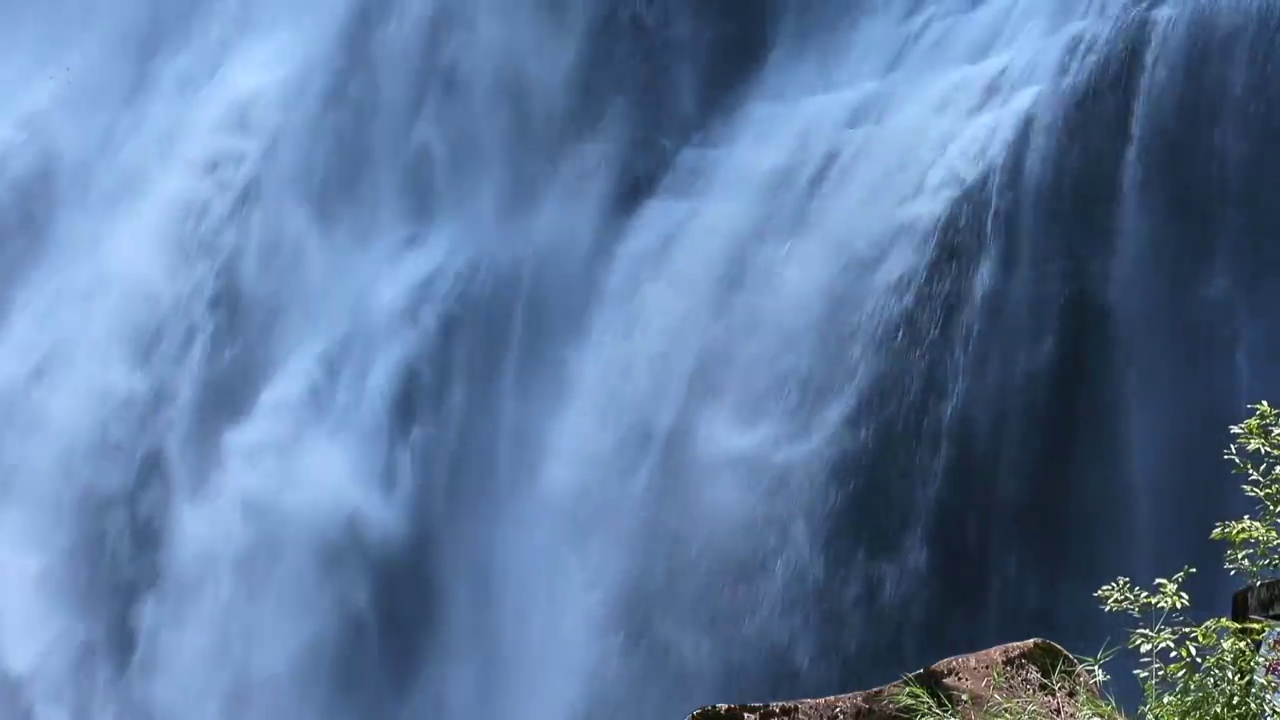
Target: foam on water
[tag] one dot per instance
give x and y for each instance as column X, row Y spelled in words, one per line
column 336, row 384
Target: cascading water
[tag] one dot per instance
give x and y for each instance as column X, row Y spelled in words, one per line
column 544, row 359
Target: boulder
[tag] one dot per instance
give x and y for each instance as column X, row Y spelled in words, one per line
column 1037, row 676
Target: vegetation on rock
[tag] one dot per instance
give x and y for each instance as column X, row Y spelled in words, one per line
column 1187, row 670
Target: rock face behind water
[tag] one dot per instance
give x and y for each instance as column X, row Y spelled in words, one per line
column 1036, row 675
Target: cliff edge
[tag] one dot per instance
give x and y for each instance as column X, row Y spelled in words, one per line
column 1036, row 677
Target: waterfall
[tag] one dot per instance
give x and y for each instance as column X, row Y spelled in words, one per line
column 558, row 358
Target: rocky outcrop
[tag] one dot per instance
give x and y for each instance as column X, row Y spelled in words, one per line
column 1036, row 675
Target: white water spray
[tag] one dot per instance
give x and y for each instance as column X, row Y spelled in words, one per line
column 233, row 230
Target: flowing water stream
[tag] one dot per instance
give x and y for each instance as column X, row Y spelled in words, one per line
column 554, row 359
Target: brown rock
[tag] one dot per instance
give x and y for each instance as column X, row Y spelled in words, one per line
column 1035, row 675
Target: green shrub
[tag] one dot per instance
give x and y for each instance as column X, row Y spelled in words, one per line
column 1209, row 670
column 1186, row 670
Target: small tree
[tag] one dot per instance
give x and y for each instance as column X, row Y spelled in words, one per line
column 1187, row 671
column 1209, row 671
column 1254, row 543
